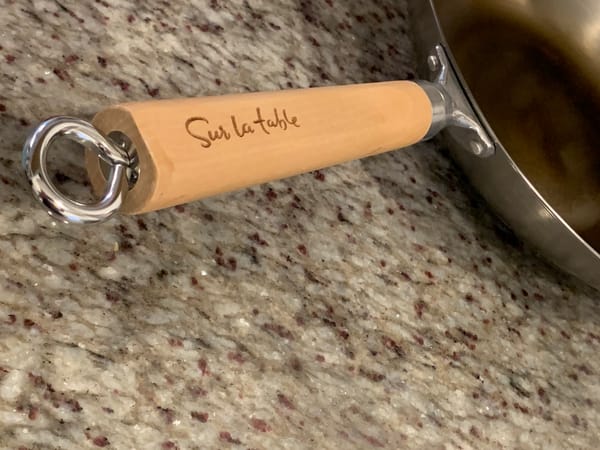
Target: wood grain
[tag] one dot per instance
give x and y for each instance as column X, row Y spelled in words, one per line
column 195, row 148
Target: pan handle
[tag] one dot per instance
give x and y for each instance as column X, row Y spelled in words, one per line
column 195, row 148
column 177, row 151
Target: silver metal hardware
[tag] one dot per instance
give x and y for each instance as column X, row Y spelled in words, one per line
column 122, row 141
column 451, row 107
column 121, row 170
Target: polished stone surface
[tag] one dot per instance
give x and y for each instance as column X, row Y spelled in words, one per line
column 377, row 304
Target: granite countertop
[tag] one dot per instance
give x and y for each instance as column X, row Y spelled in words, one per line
column 377, row 304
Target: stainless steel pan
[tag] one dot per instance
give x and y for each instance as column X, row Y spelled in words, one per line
column 530, row 69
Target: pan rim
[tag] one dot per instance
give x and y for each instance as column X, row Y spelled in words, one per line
column 504, row 153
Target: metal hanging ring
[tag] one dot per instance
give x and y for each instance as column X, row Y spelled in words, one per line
column 35, row 153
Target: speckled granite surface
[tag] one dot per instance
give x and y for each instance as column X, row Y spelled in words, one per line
column 372, row 305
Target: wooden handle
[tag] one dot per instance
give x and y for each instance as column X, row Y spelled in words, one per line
column 194, row 148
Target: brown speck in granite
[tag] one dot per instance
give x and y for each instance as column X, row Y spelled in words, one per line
column 199, row 416
column 271, row 194
column 124, row 85
column 514, row 330
column 70, row 59
column 341, row 217
column 594, row 337
column 61, row 74
column 468, row 334
column 521, row 408
column 175, row 342
column 112, row 296
column 73, row 405
column 197, row 391
column 541, row 392
column 203, row 366
column 231, row 263
column 255, row 237
column 278, row 330
column 310, row 276
column 10, row 59
column 225, row 436
column 161, row 274
column 33, row 412
column 393, row 346
column 320, row 176
column 420, row 306
column 285, row 401
column 101, row 441
column 373, row 441
column 343, row 334
column 11, row 319
column 260, row 425
column 295, row 364
column 169, row 445
column 371, row 375
column 236, row 356
column 167, row 414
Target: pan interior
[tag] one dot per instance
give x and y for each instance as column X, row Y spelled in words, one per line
column 532, row 67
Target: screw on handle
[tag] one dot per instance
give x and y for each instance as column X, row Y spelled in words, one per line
column 59, row 206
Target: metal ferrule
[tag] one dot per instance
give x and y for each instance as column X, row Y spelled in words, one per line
column 439, row 106
column 450, row 107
